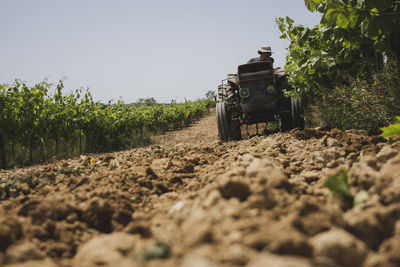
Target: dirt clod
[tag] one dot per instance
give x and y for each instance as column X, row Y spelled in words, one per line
column 235, row 188
column 278, row 261
column 24, row 251
column 107, row 250
column 97, row 213
column 340, row 246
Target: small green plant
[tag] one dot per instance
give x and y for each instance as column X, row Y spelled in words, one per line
column 392, row 131
column 339, row 185
column 92, row 166
column 5, row 187
column 271, row 127
column 160, row 250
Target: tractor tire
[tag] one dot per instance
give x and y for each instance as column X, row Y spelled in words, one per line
column 228, row 129
column 294, row 118
column 222, row 122
column 230, row 95
column 226, row 94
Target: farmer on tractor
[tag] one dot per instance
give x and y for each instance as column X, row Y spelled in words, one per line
column 265, row 55
column 256, row 95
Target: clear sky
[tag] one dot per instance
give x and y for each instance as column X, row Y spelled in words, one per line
column 133, row 49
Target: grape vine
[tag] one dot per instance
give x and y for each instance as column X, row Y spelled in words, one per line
column 39, row 123
column 347, row 66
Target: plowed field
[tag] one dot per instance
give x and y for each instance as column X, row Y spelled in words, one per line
column 190, row 200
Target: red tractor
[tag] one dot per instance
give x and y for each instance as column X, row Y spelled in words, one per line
column 255, row 95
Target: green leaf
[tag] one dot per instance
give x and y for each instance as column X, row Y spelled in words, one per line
column 353, row 18
column 393, row 130
column 374, row 12
column 370, row 29
column 160, row 250
column 312, row 4
column 342, row 21
column 331, row 16
column 329, row 62
column 338, row 184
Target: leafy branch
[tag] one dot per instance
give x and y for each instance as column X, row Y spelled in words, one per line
column 373, row 11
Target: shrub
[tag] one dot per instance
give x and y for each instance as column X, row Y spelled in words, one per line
column 361, row 103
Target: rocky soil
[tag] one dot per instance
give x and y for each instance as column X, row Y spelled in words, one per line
column 192, row 201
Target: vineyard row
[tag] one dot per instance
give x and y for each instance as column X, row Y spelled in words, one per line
column 36, row 124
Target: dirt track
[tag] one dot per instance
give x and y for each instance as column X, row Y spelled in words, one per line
column 192, row 201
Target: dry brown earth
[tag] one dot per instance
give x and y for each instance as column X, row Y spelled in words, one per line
column 193, row 201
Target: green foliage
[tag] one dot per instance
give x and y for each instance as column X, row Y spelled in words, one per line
column 393, row 130
column 346, row 13
column 339, row 185
column 359, row 104
column 376, row 20
column 339, row 65
column 33, row 119
column 312, row 4
column 319, row 55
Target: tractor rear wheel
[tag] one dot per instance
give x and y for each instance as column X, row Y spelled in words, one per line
column 228, row 129
column 294, row 118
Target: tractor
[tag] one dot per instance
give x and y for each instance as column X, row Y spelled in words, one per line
column 256, row 95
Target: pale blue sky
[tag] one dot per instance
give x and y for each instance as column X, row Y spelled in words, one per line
column 134, row 49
